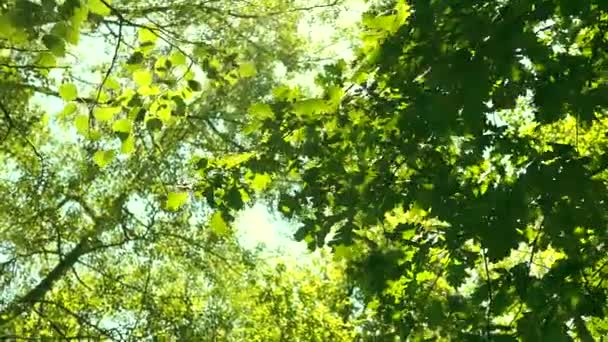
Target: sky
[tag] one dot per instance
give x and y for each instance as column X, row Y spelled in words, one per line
column 255, row 224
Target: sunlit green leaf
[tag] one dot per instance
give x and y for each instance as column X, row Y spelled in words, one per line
column 261, row 111
column 147, row 35
column 128, row 145
column 142, row 78
column 105, row 113
column 177, row 58
column 260, row 182
column 247, row 69
column 218, row 225
column 47, row 60
column 122, row 125
column 176, row 200
column 82, row 124
column 112, row 83
column 103, row 158
column 98, row 7
column 68, row 91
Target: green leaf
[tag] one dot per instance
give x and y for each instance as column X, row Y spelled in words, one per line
column 105, row 113
column 177, row 58
column 136, row 58
column 176, row 200
column 82, row 124
column 128, row 145
column 147, row 35
column 218, row 225
column 260, row 182
column 247, row 69
column 103, row 158
column 68, row 92
column 310, row 107
column 342, row 252
column 194, row 85
column 154, row 124
column 59, row 29
column 47, row 60
column 261, row 111
column 68, row 110
column 142, row 78
column 112, row 83
column 99, row 8
column 80, row 14
column 424, row 276
column 55, row 44
column 6, row 26
column 122, row 125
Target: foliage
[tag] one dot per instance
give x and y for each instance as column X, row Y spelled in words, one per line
column 102, row 234
column 458, row 167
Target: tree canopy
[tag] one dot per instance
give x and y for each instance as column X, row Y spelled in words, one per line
column 456, row 169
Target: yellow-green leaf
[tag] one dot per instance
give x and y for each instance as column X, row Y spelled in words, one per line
column 128, row 145
column 342, row 252
column 105, row 113
column 122, row 125
column 218, row 225
column 247, row 69
column 112, row 83
column 6, row 26
column 69, row 109
column 176, row 199
column 72, row 35
column 98, row 7
column 177, row 58
column 260, row 182
column 149, row 91
column 82, row 124
column 103, row 158
column 261, row 111
column 146, row 34
column 47, row 60
column 310, row 107
column 80, row 15
column 143, row 78
column 68, row 91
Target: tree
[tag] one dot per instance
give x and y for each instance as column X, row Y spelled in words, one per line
column 102, row 233
column 459, row 167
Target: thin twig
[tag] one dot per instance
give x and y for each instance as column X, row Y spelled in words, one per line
column 110, row 68
column 490, row 295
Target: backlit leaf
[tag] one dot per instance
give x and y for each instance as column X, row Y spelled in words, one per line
column 147, row 35
column 260, row 182
column 177, row 58
column 142, row 78
column 105, row 113
column 218, row 225
column 122, row 125
column 99, row 8
column 68, row 91
column 176, row 200
column 247, row 69
column 261, row 111
column 103, row 158
column 82, row 124
column 128, row 145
